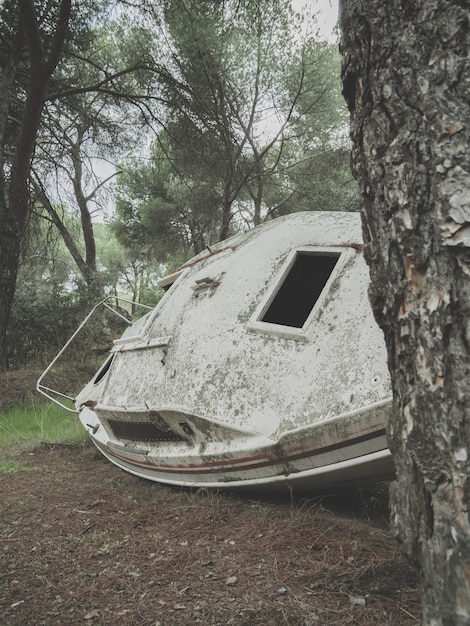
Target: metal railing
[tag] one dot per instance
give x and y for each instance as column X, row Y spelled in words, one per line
column 48, row 391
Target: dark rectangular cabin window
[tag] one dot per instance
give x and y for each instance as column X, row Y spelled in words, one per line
column 300, row 289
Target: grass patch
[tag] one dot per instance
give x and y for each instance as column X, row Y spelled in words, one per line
column 32, row 423
column 10, row 466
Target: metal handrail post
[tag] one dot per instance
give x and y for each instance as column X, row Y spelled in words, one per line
column 42, row 389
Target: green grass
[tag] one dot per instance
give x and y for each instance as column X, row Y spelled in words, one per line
column 34, row 423
column 9, row 466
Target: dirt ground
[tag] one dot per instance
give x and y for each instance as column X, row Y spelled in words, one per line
column 84, row 543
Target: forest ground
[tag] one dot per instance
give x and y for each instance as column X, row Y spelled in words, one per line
column 82, row 542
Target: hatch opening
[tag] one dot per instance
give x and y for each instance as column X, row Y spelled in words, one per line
column 300, row 289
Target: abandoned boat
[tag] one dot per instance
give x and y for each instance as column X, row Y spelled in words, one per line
column 261, row 367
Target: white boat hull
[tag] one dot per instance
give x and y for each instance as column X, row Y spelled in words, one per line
column 261, row 367
column 348, row 450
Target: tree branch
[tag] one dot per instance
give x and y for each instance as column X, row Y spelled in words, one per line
column 98, row 86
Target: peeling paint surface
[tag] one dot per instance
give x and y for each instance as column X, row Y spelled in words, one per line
column 242, row 388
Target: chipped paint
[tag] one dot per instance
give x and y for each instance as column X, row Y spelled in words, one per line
column 456, row 227
column 460, row 455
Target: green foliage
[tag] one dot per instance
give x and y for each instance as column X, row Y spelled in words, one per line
column 314, row 173
column 322, row 182
column 159, row 213
column 41, row 322
column 250, row 125
column 252, row 111
column 46, row 309
column 33, row 423
column 142, row 210
column 128, row 272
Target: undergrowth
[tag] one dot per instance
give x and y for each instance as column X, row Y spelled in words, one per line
column 31, row 424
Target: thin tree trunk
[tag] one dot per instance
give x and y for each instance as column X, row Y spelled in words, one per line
column 9, row 242
column 197, row 238
column 406, row 78
column 9, row 262
column 255, row 187
column 64, row 232
column 85, row 217
column 14, row 204
column 226, row 219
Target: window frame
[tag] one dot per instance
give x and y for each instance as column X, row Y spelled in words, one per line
column 304, row 333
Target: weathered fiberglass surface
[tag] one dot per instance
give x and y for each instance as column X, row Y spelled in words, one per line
column 208, row 355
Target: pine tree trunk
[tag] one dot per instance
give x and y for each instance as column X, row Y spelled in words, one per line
column 226, row 218
column 406, row 79
column 14, row 174
column 9, row 262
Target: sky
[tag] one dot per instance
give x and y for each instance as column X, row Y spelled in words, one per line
column 327, row 11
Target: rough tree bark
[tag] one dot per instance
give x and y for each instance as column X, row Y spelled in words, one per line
column 406, row 79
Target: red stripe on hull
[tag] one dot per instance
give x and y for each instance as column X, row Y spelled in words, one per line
column 241, row 464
